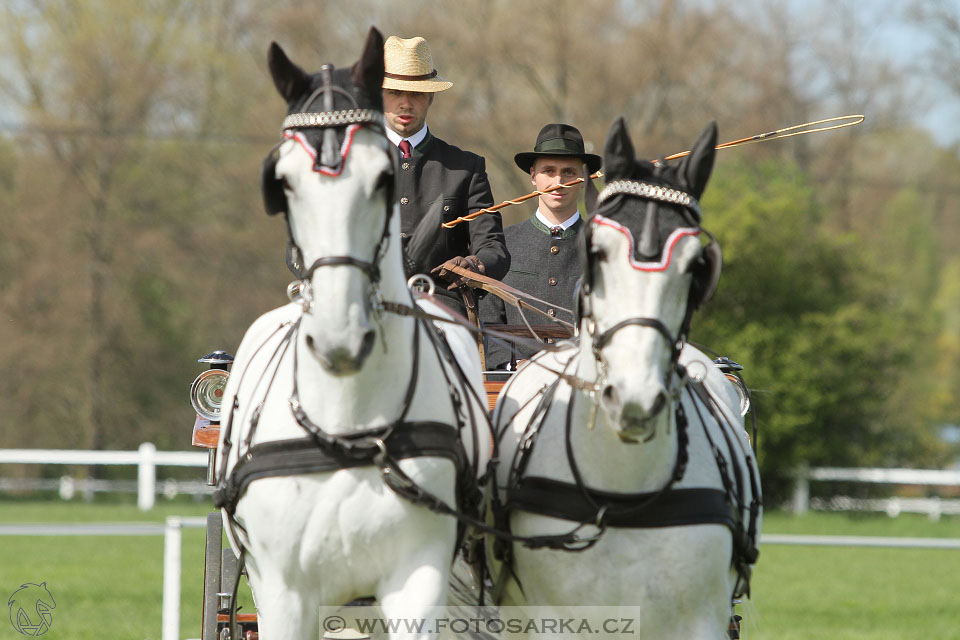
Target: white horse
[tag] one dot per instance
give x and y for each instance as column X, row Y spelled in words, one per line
column 624, row 457
column 339, row 390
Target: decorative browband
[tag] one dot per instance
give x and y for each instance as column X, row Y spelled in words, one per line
column 650, row 192
column 332, row 118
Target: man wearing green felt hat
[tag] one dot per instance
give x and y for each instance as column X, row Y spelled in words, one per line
column 544, row 249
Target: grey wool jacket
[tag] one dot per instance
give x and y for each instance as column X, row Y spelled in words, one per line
column 542, row 264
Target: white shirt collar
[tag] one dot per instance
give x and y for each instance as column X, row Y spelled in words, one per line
column 415, row 139
column 566, row 224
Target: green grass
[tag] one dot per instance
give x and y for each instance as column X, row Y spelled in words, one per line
column 111, row 587
column 105, row 587
column 855, row 593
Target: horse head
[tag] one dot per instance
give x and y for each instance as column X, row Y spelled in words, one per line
column 643, row 255
column 332, row 178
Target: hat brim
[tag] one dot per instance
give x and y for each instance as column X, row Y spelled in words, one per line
column 433, row 85
column 526, row 159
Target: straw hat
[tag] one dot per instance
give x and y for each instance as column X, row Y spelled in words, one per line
column 558, row 140
column 408, row 66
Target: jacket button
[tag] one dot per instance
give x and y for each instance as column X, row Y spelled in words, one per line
column 446, row 207
column 551, row 312
column 552, row 281
column 405, row 166
column 403, row 235
column 554, row 249
column 550, row 340
column 404, row 200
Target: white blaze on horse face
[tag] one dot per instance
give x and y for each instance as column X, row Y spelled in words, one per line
column 337, row 216
column 624, row 289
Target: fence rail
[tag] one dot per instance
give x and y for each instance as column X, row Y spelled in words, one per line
column 934, row 507
column 146, row 458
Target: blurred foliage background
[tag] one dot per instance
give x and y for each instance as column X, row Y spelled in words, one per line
column 133, row 239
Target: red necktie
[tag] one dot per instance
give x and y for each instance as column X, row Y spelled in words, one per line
column 405, row 148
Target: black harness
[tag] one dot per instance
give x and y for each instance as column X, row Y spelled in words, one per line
column 321, row 451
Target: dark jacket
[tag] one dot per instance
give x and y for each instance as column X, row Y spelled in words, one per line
column 439, row 169
column 542, row 265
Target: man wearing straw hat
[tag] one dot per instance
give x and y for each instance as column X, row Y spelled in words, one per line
column 545, row 249
column 434, row 173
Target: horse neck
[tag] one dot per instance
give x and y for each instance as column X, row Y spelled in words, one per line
column 604, row 460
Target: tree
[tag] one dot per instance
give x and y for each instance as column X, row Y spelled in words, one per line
column 806, row 313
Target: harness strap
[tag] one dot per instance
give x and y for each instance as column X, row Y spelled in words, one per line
column 302, row 455
column 565, row 500
column 745, row 551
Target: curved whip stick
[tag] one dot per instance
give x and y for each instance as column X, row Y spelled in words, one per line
column 786, row 132
column 507, row 203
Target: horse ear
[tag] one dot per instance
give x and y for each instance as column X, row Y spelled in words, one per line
column 696, row 167
column 289, row 79
column 618, row 154
column 367, row 72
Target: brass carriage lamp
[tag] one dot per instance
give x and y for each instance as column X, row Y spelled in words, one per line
column 206, row 396
column 732, row 371
column 206, row 392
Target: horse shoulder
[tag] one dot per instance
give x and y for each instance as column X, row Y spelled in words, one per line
column 531, row 379
column 461, row 341
column 699, row 365
column 271, row 323
column 267, row 325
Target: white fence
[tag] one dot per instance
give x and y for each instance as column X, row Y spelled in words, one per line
column 146, row 458
column 934, row 507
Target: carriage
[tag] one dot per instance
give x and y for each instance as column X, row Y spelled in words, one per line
column 359, row 443
column 222, row 572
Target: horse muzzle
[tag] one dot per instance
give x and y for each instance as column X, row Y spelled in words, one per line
column 346, row 356
column 635, row 420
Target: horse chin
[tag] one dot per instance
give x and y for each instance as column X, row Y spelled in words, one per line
column 636, row 425
column 342, row 361
column 636, row 433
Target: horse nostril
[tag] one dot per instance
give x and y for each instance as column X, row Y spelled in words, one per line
column 658, row 404
column 609, row 396
column 366, row 343
column 310, row 341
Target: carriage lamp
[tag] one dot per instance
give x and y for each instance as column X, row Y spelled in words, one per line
column 206, row 396
column 206, row 392
column 731, row 370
